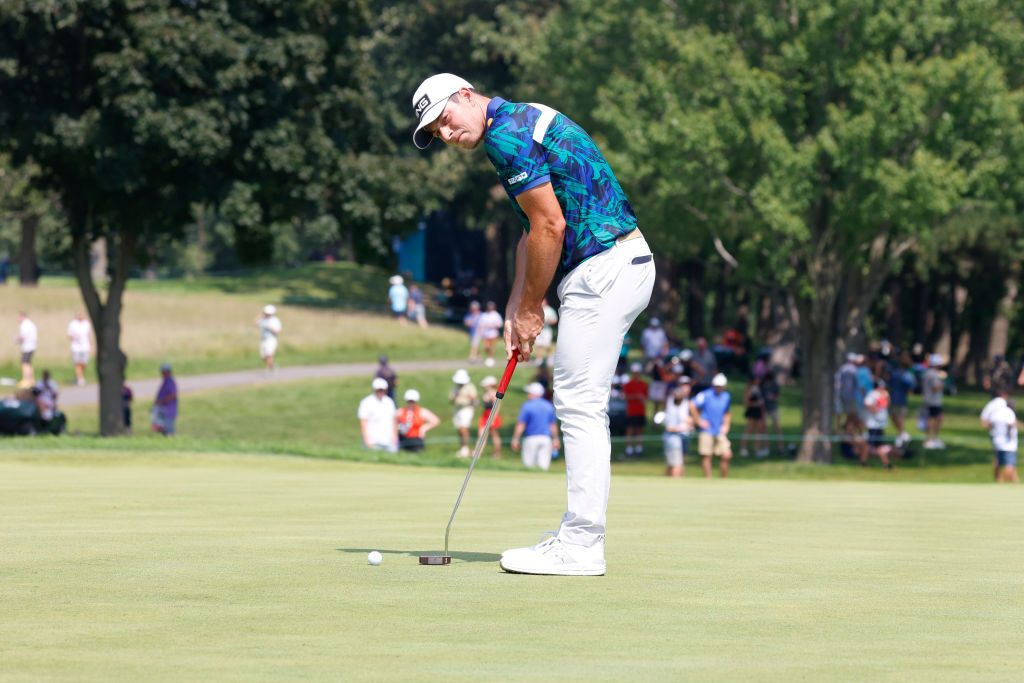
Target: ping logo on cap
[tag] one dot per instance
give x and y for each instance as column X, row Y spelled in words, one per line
column 421, row 105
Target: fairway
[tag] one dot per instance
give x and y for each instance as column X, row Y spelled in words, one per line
column 234, row 567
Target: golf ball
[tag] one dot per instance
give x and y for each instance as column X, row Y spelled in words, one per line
column 374, row 558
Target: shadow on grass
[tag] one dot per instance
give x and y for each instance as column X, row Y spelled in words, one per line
column 415, row 554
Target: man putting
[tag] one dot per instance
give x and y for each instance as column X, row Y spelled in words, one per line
column 573, row 210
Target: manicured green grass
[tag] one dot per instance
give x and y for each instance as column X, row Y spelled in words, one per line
column 145, row 566
column 318, row 419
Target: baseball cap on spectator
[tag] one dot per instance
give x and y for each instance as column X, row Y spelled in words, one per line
column 534, row 389
column 166, row 367
column 396, row 279
column 935, row 360
column 719, row 380
column 412, row 395
column 460, row 377
column 685, row 355
column 428, row 103
column 655, row 322
column 636, row 367
column 851, row 357
column 379, row 384
column 489, row 381
column 685, row 379
column 269, row 309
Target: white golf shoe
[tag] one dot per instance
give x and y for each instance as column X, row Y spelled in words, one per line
column 556, row 558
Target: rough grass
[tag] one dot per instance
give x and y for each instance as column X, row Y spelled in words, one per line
column 317, row 419
column 131, row 566
column 209, row 325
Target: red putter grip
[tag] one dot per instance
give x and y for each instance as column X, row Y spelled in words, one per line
column 507, row 377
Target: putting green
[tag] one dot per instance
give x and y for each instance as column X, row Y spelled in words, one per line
column 207, row 567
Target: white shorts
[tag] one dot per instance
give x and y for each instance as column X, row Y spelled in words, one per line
column 268, row 347
column 463, row 418
column 80, row 357
column 537, row 452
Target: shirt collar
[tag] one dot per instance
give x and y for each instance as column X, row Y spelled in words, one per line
column 492, row 108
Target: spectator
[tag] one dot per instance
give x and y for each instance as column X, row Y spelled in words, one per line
column 705, row 358
column 165, row 407
column 80, row 336
column 635, row 392
column 472, row 324
column 546, row 339
column 1000, row 374
column 28, row 341
column 710, row 411
column 487, row 399
column 658, row 388
column 772, row 391
column 491, row 325
column 847, row 395
column 126, row 405
column 376, row 415
column 398, row 298
column 877, row 404
column 1000, row 419
column 901, row 384
column 865, row 383
column 270, row 329
column 932, row 388
column 464, row 397
column 654, row 340
column 413, row 421
column 46, row 392
column 537, row 428
column 678, row 428
column 753, row 411
column 693, row 370
column 388, row 374
column 417, row 308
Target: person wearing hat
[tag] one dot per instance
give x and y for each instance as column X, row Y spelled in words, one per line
column 678, row 427
column 165, row 405
column 270, row 329
column 487, row 399
column 413, row 421
column 536, row 432
column 877, row 403
column 464, row 397
column 489, row 328
column 376, row 415
column 654, row 340
column 933, row 386
column 545, row 162
column 388, row 374
column 635, row 393
column 80, row 336
column 398, row 298
column 710, row 411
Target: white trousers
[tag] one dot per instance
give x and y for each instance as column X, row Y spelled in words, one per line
column 537, row 452
column 600, row 300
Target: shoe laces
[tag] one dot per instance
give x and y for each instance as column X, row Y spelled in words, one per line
column 550, row 545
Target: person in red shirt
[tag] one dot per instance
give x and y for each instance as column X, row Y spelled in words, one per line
column 413, row 422
column 635, row 392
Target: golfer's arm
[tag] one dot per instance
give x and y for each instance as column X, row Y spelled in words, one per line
column 543, row 243
column 518, row 279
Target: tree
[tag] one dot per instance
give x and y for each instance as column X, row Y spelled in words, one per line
column 820, row 139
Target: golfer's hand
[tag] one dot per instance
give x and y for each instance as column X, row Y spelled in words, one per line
column 511, row 341
column 526, row 325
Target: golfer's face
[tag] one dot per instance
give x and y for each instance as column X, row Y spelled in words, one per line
column 459, row 125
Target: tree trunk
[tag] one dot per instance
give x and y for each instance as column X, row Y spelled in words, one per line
column 666, row 300
column 28, row 265
column 106, row 320
column 693, row 271
column 497, row 284
column 999, row 337
column 817, row 335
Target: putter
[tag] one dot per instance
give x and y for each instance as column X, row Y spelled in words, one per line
column 481, row 440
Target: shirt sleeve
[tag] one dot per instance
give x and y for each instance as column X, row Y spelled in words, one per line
column 520, row 162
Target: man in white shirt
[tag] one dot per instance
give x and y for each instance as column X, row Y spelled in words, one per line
column 490, row 329
column 1001, row 420
column 270, row 329
column 377, row 418
column 654, row 340
column 28, row 341
column 80, row 336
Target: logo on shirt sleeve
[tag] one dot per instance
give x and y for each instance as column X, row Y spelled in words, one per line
column 518, row 178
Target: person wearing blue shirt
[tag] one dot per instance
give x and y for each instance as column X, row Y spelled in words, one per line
column 710, row 411
column 536, row 429
column 398, row 297
column 576, row 218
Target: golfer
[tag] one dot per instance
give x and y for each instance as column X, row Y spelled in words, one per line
column 575, row 215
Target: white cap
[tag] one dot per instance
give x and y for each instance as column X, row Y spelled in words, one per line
column 535, row 389
column 636, row 367
column 429, row 100
column 379, row 383
column 396, row 280
column 935, row 360
column 460, row 377
column 412, row 395
column 719, row 380
column 489, row 381
column 269, row 309
column 686, row 354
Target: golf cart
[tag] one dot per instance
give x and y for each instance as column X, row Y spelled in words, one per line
column 21, row 417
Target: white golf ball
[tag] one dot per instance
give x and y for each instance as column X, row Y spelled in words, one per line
column 374, row 558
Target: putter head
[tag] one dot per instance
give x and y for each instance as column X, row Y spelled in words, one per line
column 435, row 559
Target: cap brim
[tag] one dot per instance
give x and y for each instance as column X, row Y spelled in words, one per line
column 420, row 137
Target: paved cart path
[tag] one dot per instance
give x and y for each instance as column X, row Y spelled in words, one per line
column 89, row 394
